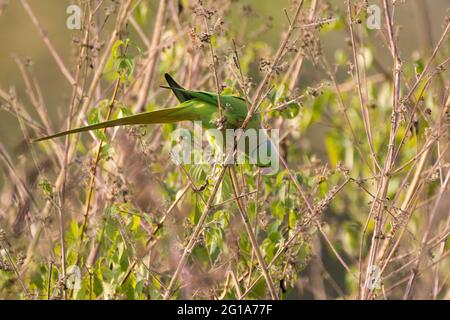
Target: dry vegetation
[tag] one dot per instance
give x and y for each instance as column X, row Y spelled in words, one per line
column 363, row 189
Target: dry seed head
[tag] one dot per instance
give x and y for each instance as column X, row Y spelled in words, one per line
column 204, row 37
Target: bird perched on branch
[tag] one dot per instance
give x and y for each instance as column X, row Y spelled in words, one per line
column 194, row 106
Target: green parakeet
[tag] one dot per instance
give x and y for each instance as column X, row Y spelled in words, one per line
column 194, row 106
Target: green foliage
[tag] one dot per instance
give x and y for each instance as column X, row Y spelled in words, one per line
column 120, row 64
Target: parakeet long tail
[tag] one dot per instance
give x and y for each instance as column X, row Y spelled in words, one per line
column 170, row 115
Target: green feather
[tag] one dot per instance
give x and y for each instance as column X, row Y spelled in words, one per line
column 181, row 94
column 189, row 110
column 194, row 106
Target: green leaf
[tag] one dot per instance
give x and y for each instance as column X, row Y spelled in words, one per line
column 74, row 228
column 292, row 219
column 291, row 110
column 419, row 66
column 93, row 118
column 119, row 63
column 333, row 149
column 278, row 95
column 46, row 188
column 141, row 13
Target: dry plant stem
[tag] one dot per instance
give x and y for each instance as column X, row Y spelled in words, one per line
column 236, row 284
column 364, row 110
column 139, row 31
column 330, row 244
column 255, row 222
column 414, row 159
column 313, row 214
column 20, row 184
column 151, row 242
column 152, row 57
column 243, row 279
column 256, row 101
column 16, row 107
column 424, row 26
column 194, row 187
column 101, row 66
column 261, row 261
column 419, row 272
column 288, row 243
column 299, row 188
column 65, row 160
column 213, row 65
column 174, row 15
column 343, row 110
column 350, row 84
column 20, row 112
column 24, row 129
column 241, row 75
column 16, row 271
column 8, row 162
column 245, row 195
column 151, row 53
column 410, row 121
column 316, row 24
column 49, row 45
column 38, row 104
column 73, row 101
column 71, row 148
column 195, row 235
column 49, row 279
column 254, row 106
column 94, row 167
column 18, row 181
column 385, row 174
column 413, row 187
column 429, row 245
column 440, row 254
column 225, row 289
column 413, row 276
column 41, row 110
column 63, row 251
column 241, row 81
column 259, row 92
column 295, row 235
column 300, row 55
column 428, row 64
column 405, row 184
column 92, row 180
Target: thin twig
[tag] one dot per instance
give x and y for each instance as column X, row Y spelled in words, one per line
column 94, row 166
column 262, row 262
